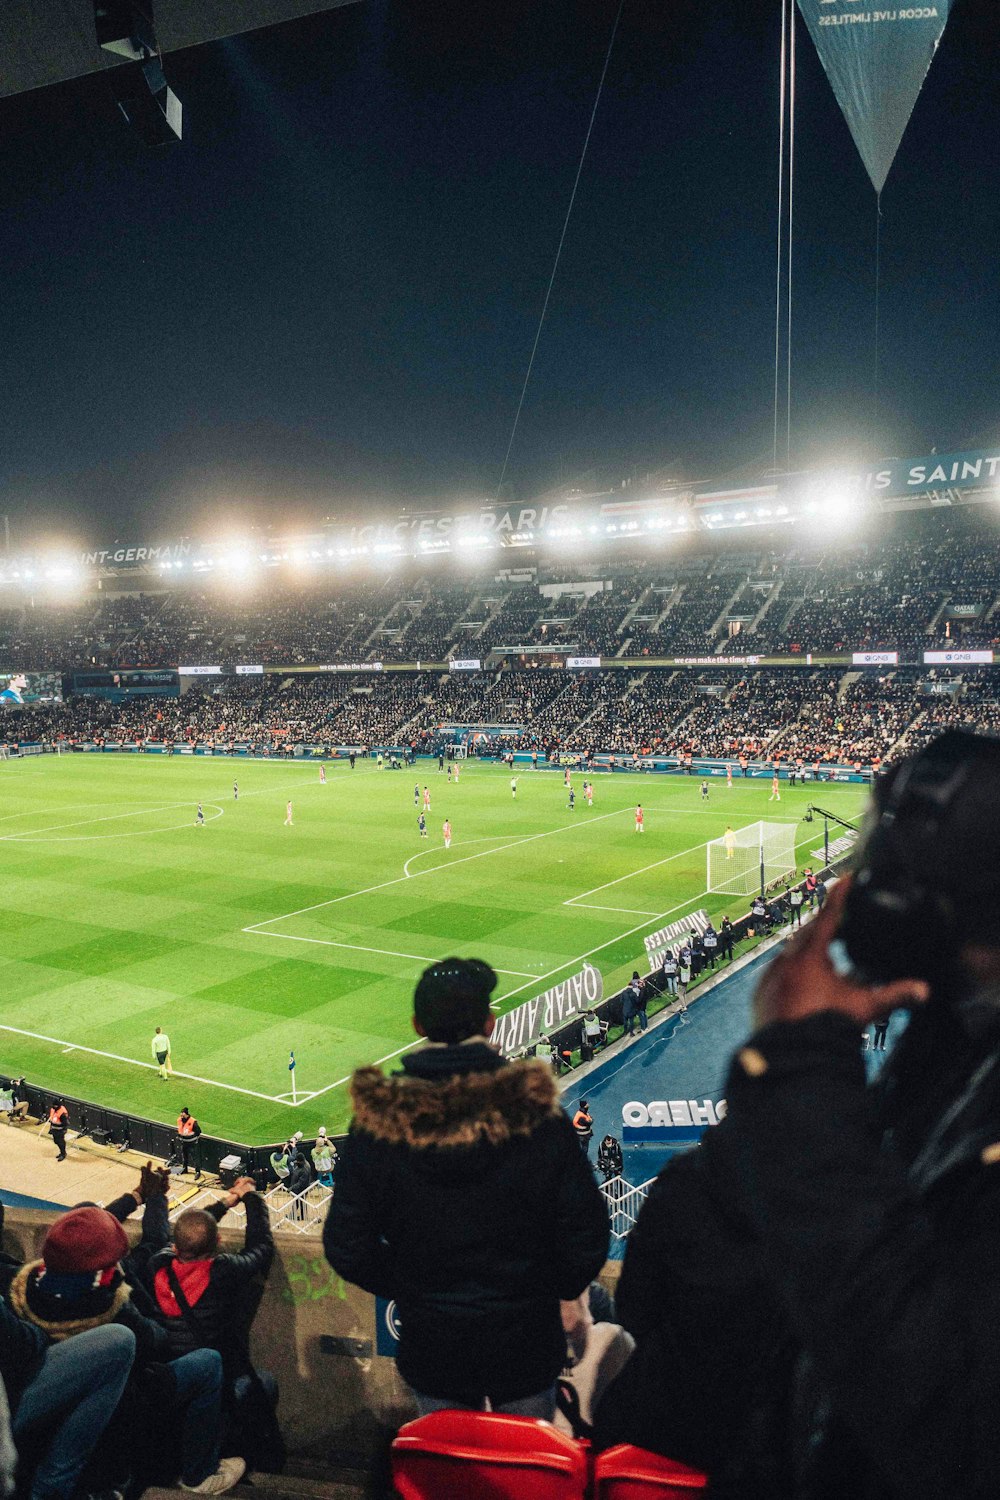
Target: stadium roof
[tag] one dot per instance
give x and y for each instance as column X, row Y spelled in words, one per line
column 49, row 41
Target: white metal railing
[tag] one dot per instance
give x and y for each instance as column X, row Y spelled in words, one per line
column 624, row 1202
column 290, row 1213
column 305, row 1213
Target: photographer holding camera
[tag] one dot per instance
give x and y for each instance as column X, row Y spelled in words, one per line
column 830, row 1323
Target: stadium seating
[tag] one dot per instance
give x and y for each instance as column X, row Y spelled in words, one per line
column 486, row 1456
column 627, row 1473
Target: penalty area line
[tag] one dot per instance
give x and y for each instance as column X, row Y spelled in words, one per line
column 420, row 958
column 529, row 838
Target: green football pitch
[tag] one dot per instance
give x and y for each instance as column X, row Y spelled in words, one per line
column 246, row 939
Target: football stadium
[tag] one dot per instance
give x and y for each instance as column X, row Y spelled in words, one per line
column 499, row 752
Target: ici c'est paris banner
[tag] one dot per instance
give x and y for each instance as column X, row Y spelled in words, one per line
column 876, row 57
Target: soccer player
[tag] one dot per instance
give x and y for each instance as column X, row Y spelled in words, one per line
column 729, row 777
column 236, row 791
column 352, row 758
column 534, row 760
column 639, row 818
column 161, row 1052
column 422, row 825
column 449, row 771
column 572, row 799
column 440, row 760
column 288, row 814
column 775, row 793
column 457, row 769
column 446, row 830
column 427, row 799
column 588, row 792
column 322, row 773
column 704, row 791
column 729, row 840
column 416, row 794
column 199, row 817
column 566, row 777
column 513, row 787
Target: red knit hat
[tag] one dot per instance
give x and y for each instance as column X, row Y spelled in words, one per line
column 85, row 1239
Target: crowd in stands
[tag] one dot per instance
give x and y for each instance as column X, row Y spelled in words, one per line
column 789, row 715
column 927, row 580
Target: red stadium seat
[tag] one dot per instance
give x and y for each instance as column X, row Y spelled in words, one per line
column 627, row 1473
column 468, row 1455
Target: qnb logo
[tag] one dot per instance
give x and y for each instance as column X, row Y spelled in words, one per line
column 672, row 1114
column 392, row 1324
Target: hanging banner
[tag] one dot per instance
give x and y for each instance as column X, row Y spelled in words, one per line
column 876, row 58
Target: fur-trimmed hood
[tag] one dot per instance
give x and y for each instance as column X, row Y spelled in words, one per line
column 93, row 1310
column 471, row 1108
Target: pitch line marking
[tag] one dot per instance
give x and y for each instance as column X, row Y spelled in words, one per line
column 290, row 937
column 625, row 911
column 460, row 843
column 399, row 879
column 135, row 1062
column 642, row 871
column 37, row 836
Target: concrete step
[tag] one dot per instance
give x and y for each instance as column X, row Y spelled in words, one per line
column 281, row 1487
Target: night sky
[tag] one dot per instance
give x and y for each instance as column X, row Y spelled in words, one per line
column 325, row 298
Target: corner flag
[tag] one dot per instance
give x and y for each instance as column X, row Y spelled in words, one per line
column 291, row 1069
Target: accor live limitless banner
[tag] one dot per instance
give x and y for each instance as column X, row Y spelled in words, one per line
column 876, row 57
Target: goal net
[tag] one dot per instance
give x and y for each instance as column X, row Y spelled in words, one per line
column 746, row 860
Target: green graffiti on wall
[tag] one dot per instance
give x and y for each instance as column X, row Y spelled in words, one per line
column 312, row 1279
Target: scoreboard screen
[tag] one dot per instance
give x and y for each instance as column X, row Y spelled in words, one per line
column 29, row 689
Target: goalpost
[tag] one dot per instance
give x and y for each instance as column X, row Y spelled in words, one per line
column 747, row 860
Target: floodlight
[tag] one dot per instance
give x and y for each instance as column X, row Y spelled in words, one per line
column 836, row 507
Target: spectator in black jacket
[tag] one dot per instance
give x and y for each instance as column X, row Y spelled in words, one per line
column 832, row 1248
column 461, row 1193
column 207, row 1300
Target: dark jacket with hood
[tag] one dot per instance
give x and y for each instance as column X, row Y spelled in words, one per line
column 462, row 1194
column 814, row 1291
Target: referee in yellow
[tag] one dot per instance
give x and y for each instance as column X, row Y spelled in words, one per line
column 161, row 1052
